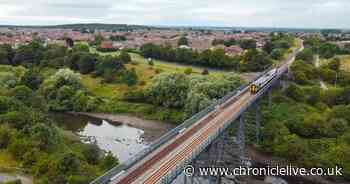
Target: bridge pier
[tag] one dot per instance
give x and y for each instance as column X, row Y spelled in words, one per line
column 257, row 122
column 241, row 138
column 269, row 93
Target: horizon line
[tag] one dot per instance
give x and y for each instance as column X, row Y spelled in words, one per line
column 174, row 26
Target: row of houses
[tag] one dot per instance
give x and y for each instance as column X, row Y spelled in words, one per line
column 135, row 39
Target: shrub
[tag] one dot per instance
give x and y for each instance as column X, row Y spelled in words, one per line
column 125, row 57
column 5, row 136
column 205, row 72
column 188, row 71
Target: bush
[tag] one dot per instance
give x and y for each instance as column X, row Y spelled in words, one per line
column 128, row 76
column 108, row 162
column 306, row 55
column 5, row 136
column 294, row 92
column 100, row 49
column 188, row 71
column 277, row 54
column 17, row 181
column 44, row 137
column 169, row 90
column 22, row 93
column 19, row 147
column 125, row 57
column 68, row 163
column 150, row 62
column 205, row 72
column 32, row 79
column 86, row 63
column 135, row 96
column 91, row 153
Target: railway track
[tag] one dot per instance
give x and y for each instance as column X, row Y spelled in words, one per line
column 214, row 125
column 147, row 174
column 133, row 175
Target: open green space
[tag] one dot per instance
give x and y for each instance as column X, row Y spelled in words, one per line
column 345, row 62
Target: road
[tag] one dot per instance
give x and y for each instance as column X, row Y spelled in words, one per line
column 152, row 168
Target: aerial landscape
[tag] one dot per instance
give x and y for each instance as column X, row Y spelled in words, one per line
column 233, row 92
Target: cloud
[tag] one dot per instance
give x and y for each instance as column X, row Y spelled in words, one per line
column 261, row 13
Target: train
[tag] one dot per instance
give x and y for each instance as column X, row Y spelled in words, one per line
column 259, row 84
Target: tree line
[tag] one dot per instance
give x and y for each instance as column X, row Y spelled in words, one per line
column 79, row 58
column 252, row 60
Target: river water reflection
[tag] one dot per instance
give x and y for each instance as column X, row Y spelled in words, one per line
column 122, row 140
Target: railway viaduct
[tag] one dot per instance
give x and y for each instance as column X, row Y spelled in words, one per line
column 201, row 140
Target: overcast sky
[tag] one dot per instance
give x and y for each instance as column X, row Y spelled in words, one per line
column 252, row 13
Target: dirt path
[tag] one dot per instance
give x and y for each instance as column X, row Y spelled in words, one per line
column 317, row 65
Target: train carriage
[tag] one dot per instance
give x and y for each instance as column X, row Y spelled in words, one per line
column 257, row 85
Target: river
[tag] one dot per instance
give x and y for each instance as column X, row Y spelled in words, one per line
column 123, row 135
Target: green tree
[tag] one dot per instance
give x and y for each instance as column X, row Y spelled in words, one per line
column 328, row 50
column 3, row 58
column 306, row 55
column 23, row 94
column 98, row 39
column 268, row 47
column 43, row 136
column 254, row 60
column 128, row 76
column 5, row 136
column 86, row 63
column 334, row 64
column 108, row 63
column 182, row 41
column 81, row 48
column 124, row 57
column 108, row 162
column 294, row 92
column 68, row 163
column 277, row 54
column 248, row 44
column 6, row 54
column 32, row 79
column 341, row 111
column 91, row 153
column 169, row 90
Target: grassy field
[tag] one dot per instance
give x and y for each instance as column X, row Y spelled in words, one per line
column 345, row 62
column 144, row 71
column 104, row 89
